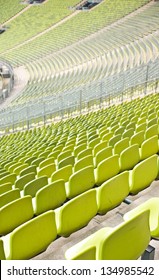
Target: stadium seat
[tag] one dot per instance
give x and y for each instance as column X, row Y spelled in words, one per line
column 49, row 197
column 9, row 196
column 15, row 213
column 33, row 186
column 107, row 169
column 30, row 238
column 84, row 206
column 149, row 147
column 80, row 181
column 47, row 170
column 152, row 205
column 129, row 157
column 111, row 193
column 23, row 180
column 62, row 173
column 127, row 241
column 83, row 162
column 143, row 174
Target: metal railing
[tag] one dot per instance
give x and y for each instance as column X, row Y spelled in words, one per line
column 114, row 89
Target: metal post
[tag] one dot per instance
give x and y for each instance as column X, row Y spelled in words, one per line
column 149, row 253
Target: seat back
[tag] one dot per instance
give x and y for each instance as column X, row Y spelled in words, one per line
column 76, row 213
column 67, row 161
column 121, row 145
column 80, row 182
column 23, row 180
column 33, row 237
column 103, row 154
column 5, row 187
column 32, row 187
column 47, row 170
column 107, row 169
column 129, row 157
column 138, row 138
column 149, row 147
column 86, row 161
column 62, row 173
column 143, row 174
column 50, row 197
column 15, row 213
column 10, row 178
column 9, row 196
column 111, row 193
column 128, row 240
column 30, row 169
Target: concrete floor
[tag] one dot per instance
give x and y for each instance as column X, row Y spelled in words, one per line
column 57, row 248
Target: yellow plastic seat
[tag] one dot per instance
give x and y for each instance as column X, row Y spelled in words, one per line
column 149, row 147
column 107, row 169
column 102, row 155
column 126, row 241
column 83, row 162
column 152, row 205
column 129, row 157
column 111, row 193
column 121, row 145
column 143, row 174
column 9, row 196
column 76, row 213
column 62, row 173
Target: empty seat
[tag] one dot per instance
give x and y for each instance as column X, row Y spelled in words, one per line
column 9, row 196
column 143, row 174
column 149, row 147
column 67, row 161
column 46, row 162
column 47, row 170
column 49, row 197
column 83, row 162
column 80, row 182
column 113, row 192
column 76, row 213
column 84, row 153
column 32, row 187
column 10, row 178
column 18, row 169
column 102, row 155
column 126, row 241
column 100, row 146
column 64, row 155
column 107, row 169
column 15, row 213
column 31, row 238
column 138, row 138
column 129, row 157
column 62, row 173
column 113, row 140
column 5, row 187
column 121, row 145
column 30, row 169
column 151, row 131
column 23, row 180
column 152, row 205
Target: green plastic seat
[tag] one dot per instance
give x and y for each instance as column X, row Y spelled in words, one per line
column 83, row 162
column 143, row 174
column 151, row 131
column 32, row 187
column 31, row 238
column 102, row 155
column 128, row 133
column 149, row 147
column 99, row 147
column 47, row 170
column 23, row 180
column 152, row 205
column 62, row 173
column 9, row 196
column 5, row 188
column 76, row 213
column 129, row 157
column 15, row 213
column 127, row 241
column 84, row 153
column 107, row 169
column 111, row 193
column 10, row 178
column 46, row 162
column 28, row 170
column 138, row 138
column 121, row 145
column 67, row 161
column 113, row 140
column 93, row 143
column 18, row 169
column 37, row 161
column 79, row 149
column 49, row 197
column 80, row 181
column 64, row 155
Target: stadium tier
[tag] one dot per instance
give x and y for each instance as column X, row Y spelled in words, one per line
column 79, row 130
